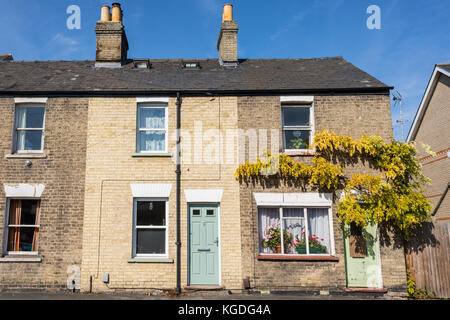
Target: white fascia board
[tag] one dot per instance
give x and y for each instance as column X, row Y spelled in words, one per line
column 152, row 99
column 23, row 190
column 307, row 199
column 425, row 101
column 203, row 195
column 30, row 100
column 299, row 99
column 153, row 190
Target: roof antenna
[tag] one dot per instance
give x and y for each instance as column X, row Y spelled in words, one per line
column 397, row 97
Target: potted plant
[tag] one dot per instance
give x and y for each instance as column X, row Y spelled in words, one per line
column 272, row 238
column 315, row 245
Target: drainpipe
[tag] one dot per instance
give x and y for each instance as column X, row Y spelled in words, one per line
column 178, row 172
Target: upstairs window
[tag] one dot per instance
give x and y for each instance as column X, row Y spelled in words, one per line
column 152, row 128
column 29, row 128
column 23, row 225
column 297, row 127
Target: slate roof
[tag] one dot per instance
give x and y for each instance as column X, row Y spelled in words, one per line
column 252, row 75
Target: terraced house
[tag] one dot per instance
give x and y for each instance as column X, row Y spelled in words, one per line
column 93, row 178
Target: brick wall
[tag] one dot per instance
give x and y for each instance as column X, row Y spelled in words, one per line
column 352, row 115
column 62, row 202
column 227, row 42
column 434, row 132
column 111, row 141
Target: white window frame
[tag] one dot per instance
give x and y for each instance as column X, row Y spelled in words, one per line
column 16, row 129
column 135, row 227
column 148, row 105
column 310, row 128
column 305, row 217
column 7, row 226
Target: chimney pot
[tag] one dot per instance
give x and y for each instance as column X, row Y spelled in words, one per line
column 116, row 12
column 106, row 14
column 227, row 12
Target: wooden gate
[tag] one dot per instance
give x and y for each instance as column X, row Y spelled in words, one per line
column 428, row 258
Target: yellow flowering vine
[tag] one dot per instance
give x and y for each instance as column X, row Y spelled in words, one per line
column 394, row 196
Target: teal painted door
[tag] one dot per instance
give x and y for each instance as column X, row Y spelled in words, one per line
column 362, row 258
column 204, row 245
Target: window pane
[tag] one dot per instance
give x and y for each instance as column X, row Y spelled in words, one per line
column 151, row 213
column 297, row 139
column 319, row 236
column 296, row 116
column 294, row 230
column 24, row 236
column 152, row 118
column 152, row 141
column 30, row 117
column 269, row 230
column 196, row 212
column 151, row 241
column 29, row 210
column 29, row 140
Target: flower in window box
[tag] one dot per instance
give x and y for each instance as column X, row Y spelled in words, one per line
column 272, row 238
column 315, row 246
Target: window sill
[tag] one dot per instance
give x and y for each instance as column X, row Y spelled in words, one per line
column 10, row 258
column 299, row 152
column 26, row 156
column 150, row 260
column 298, row 258
column 152, row 155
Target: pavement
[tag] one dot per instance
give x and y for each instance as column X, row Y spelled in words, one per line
column 67, row 295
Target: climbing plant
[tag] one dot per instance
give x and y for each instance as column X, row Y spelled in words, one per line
column 392, row 195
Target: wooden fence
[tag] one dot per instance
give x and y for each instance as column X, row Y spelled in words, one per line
column 428, row 258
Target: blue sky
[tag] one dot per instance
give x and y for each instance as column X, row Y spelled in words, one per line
column 414, row 35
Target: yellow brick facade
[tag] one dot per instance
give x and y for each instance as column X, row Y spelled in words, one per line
column 111, row 168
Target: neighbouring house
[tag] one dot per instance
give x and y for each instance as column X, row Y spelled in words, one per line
column 97, row 193
column 428, row 256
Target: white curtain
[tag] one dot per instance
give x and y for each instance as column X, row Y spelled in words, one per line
column 152, row 141
column 293, row 224
column 152, row 118
column 21, row 123
column 267, row 217
column 318, row 226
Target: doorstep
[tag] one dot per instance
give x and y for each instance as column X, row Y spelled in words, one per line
column 201, row 287
column 365, row 290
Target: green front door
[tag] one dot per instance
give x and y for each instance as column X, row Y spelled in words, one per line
column 362, row 258
column 204, row 244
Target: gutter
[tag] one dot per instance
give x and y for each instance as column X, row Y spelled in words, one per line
column 195, row 92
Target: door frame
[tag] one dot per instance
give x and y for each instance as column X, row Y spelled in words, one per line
column 377, row 255
column 216, row 204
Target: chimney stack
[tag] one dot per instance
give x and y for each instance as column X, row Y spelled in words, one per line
column 112, row 43
column 227, row 42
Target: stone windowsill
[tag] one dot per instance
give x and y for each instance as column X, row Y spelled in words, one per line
column 150, row 260
column 288, row 257
column 26, row 156
column 152, row 155
column 302, row 153
column 14, row 258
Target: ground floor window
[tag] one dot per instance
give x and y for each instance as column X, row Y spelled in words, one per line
column 150, row 227
column 23, row 225
column 303, row 231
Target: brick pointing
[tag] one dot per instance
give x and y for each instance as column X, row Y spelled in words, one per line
column 63, row 173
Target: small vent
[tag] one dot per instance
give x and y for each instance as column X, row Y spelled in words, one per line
column 142, row 64
column 191, row 65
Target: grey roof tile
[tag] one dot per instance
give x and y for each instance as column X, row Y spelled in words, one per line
column 167, row 75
